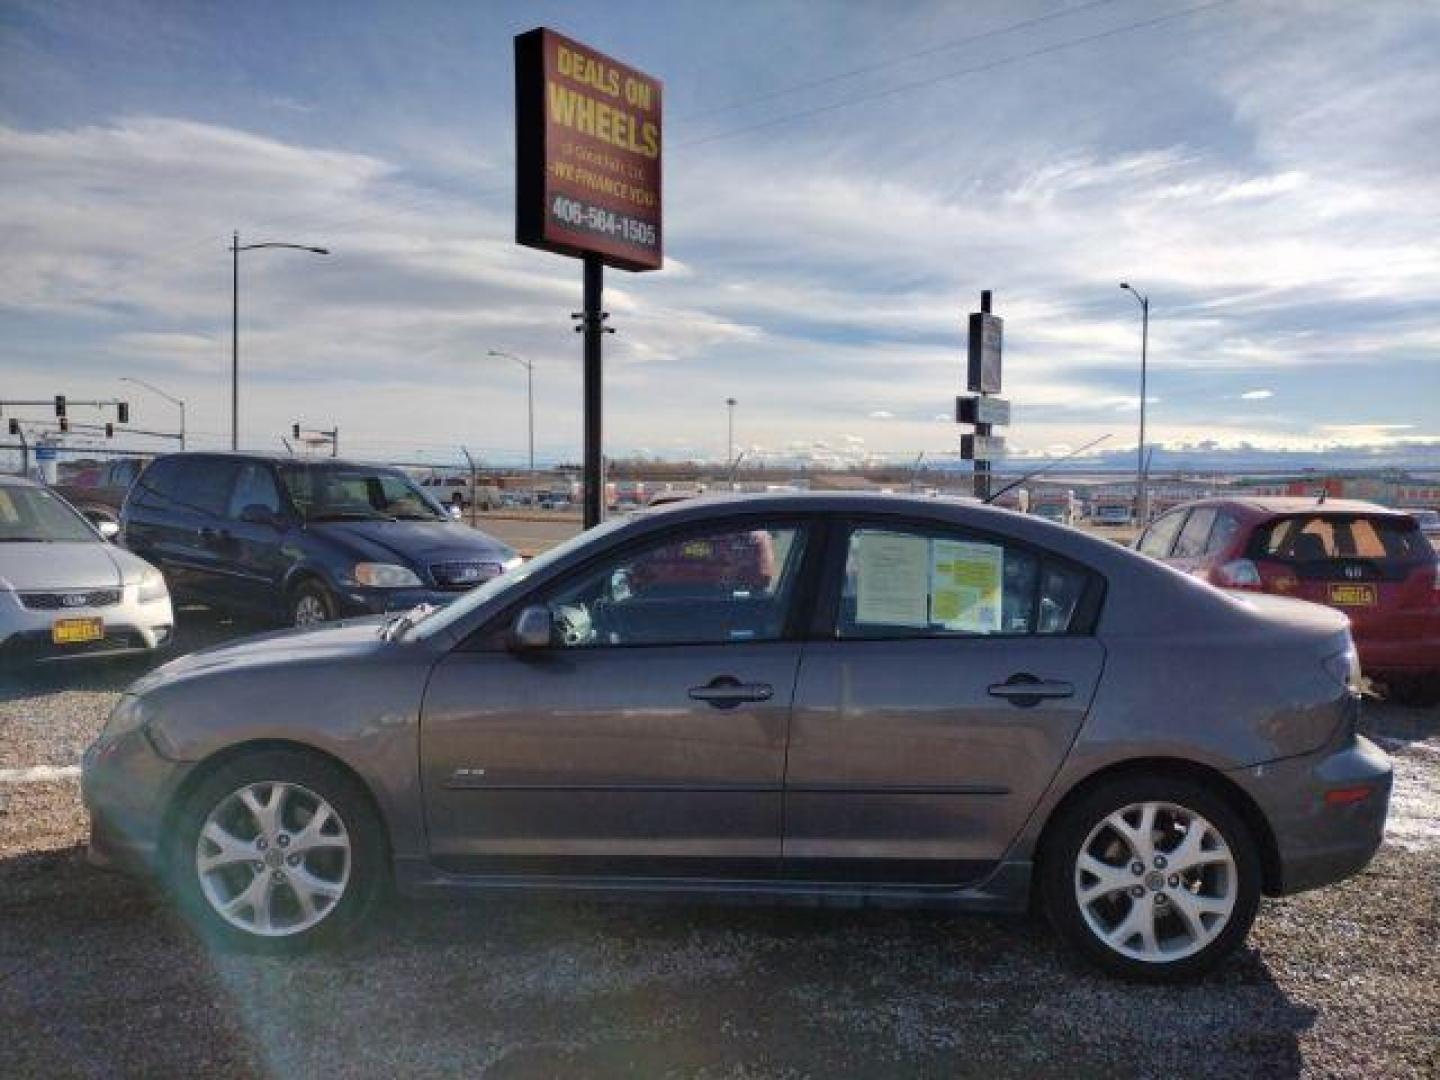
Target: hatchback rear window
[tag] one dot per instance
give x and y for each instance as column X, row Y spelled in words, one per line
column 1320, row 537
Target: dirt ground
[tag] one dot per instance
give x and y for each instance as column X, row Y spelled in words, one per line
column 98, row 979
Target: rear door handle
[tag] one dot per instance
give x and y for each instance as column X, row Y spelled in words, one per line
column 1025, row 690
column 725, row 692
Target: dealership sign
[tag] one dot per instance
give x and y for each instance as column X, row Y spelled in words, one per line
column 587, row 154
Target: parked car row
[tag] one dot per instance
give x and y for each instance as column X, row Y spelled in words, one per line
column 290, row 539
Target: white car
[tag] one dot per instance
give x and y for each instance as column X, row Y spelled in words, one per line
column 64, row 591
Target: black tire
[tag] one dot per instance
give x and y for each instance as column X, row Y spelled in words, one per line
column 1058, row 874
column 310, row 592
column 365, row 889
column 1415, row 691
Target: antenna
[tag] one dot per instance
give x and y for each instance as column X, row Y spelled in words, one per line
column 1044, row 468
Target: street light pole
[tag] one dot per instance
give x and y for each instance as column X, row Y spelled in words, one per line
column 168, row 397
column 529, row 366
column 235, row 248
column 1141, row 502
column 730, row 439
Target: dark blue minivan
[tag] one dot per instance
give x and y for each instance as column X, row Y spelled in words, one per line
column 306, row 540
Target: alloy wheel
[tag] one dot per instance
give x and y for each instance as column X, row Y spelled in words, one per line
column 273, row 859
column 309, row 610
column 1156, row 882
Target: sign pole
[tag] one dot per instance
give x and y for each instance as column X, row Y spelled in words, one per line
column 982, row 468
column 593, row 325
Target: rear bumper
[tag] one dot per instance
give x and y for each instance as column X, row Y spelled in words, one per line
column 1412, row 656
column 1317, row 842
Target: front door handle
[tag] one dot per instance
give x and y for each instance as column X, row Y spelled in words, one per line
column 725, row 692
column 1025, row 690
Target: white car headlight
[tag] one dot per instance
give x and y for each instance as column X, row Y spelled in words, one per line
column 152, row 586
column 379, row 575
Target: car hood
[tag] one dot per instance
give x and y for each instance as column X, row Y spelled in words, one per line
column 350, row 638
column 65, row 564
column 417, row 542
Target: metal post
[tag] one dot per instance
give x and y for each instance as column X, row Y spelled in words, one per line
column 335, row 441
column 530, row 406
column 730, row 439
column 982, row 431
column 474, row 500
column 593, row 326
column 1141, row 495
column 235, row 342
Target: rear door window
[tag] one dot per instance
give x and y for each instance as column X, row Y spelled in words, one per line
column 205, row 484
column 1196, row 534
column 921, row 582
column 1222, row 534
column 1158, row 538
column 255, row 487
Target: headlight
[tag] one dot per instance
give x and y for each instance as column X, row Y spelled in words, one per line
column 379, row 575
column 127, row 715
column 152, row 586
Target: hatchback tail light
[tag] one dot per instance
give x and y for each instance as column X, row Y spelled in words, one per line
column 1237, row 574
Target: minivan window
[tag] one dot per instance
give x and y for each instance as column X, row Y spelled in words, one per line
column 158, row 483
column 205, row 484
column 356, row 493
column 255, row 487
column 1195, row 534
column 1157, row 539
column 1223, row 532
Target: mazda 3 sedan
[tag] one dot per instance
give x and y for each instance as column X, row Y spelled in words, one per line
column 829, row 697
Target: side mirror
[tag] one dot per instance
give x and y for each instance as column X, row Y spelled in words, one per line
column 108, row 529
column 259, row 514
column 532, row 629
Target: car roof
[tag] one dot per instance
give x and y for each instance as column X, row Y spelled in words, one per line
column 274, row 459
column 1292, row 504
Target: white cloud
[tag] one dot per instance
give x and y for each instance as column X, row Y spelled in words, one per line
column 1257, row 395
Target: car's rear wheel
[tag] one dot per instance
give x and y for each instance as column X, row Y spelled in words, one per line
column 1151, row 878
column 277, row 851
column 311, row 604
column 1416, row 691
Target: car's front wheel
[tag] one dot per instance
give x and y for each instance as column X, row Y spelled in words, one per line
column 276, row 851
column 1155, row 879
column 311, row 604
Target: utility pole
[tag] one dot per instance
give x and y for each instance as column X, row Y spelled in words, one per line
column 1141, row 507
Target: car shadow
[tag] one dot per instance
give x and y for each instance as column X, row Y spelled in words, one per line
column 195, row 628
column 97, row 976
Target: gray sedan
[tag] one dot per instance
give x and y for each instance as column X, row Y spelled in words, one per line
column 826, row 698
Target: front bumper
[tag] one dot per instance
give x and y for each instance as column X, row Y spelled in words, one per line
column 127, row 785
column 130, row 627
column 1318, row 842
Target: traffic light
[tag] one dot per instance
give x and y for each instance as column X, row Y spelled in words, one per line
column 122, row 410
column 14, row 426
column 295, row 430
column 109, row 430
column 64, row 423
column 60, row 406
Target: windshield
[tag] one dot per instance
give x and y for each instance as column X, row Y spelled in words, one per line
column 441, row 618
column 357, row 493
column 35, row 515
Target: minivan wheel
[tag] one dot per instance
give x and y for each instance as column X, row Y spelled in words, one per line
column 276, row 851
column 311, row 604
column 1155, row 879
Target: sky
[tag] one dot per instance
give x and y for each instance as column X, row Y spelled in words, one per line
column 841, row 181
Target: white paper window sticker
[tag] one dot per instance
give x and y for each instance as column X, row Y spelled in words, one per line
column 965, row 586
column 892, row 579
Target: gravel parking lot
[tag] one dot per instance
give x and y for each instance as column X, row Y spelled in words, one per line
column 97, row 979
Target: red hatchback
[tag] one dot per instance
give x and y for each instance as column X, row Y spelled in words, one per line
column 1372, row 563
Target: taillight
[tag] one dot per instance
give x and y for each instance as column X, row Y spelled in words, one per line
column 1237, row 574
column 1344, row 668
